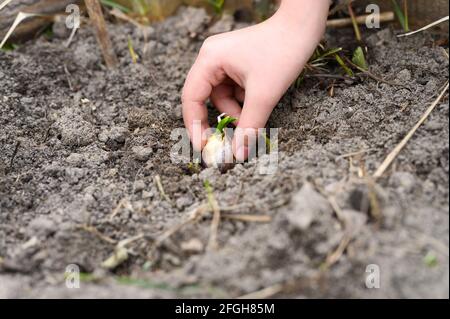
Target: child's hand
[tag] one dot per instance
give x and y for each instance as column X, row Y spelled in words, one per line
column 254, row 66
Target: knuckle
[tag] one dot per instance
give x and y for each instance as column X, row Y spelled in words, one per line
column 208, row 46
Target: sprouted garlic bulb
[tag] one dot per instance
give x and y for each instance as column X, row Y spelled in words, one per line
column 218, row 151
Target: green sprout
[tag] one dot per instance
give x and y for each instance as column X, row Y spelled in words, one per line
column 223, row 123
column 430, row 260
column 343, row 65
column 318, row 60
column 402, row 16
column 134, row 56
column 115, row 5
column 359, row 59
column 217, row 5
column 9, row 47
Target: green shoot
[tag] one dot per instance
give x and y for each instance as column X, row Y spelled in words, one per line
column 142, row 7
column 359, row 59
column 401, row 16
column 316, row 62
column 194, row 168
column 224, row 123
column 320, row 55
column 115, row 5
column 134, row 56
column 9, row 47
column 217, row 5
column 343, row 65
column 430, row 260
column 269, row 145
column 405, row 11
column 208, row 188
column 354, row 22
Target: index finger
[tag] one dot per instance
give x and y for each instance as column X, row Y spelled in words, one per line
column 201, row 79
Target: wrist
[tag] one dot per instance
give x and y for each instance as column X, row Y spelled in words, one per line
column 304, row 14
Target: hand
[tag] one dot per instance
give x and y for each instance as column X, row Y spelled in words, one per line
column 254, row 66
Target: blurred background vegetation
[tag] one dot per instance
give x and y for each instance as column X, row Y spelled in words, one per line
column 418, row 12
column 154, row 10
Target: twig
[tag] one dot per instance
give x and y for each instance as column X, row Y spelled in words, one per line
column 158, row 183
column 329, row 76
column 96, row 232
column 337, row 254
column 122, row 203
column 214, row 206
column 373, row 76
column 390, row 158
column 120, row 15
column 248, row 218
column 355, row 153
column 4, row 4
column 354, row 23
column 345, row 22
column 16, row 149
column 425, row 27
column 406, row 14
column 445, row 53
column 194, row 215
column 95, row 13
column 264, row 293
column 20, row 17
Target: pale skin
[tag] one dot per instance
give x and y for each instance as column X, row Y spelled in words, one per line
column 255, row 67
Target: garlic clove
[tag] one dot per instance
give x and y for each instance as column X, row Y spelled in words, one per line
column 218, row 152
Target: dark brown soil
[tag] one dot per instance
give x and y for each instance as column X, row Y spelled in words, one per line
column 76, row 140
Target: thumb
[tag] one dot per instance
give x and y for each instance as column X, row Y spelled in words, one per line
column 256, row 112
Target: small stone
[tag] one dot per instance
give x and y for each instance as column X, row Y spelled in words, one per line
column 142, row 153
column 74, row 159
column 306, row 205
column 41, row 226
column 192, row 246
column 74, row 174
column 139, row 186
column 146, row 194
column 404, row 76
column 403, row 180
column 183, row 202
column 114, row 138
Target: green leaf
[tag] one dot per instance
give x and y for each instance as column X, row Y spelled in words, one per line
column 400, row 16
column 343, row 65
column 217, row 5
column 113, row 4
column 359, row 59
column 430, row 260
column 9, row 47
column 224, row 123
column 134, row 56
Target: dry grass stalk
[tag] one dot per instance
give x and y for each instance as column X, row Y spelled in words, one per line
column 444, row 19
column 394, row 153
column 98, row 21
column 264, row 293
column 214, row 206
column 94, row 231
column 158, row 183
column 345, row 22
column 248, row 218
